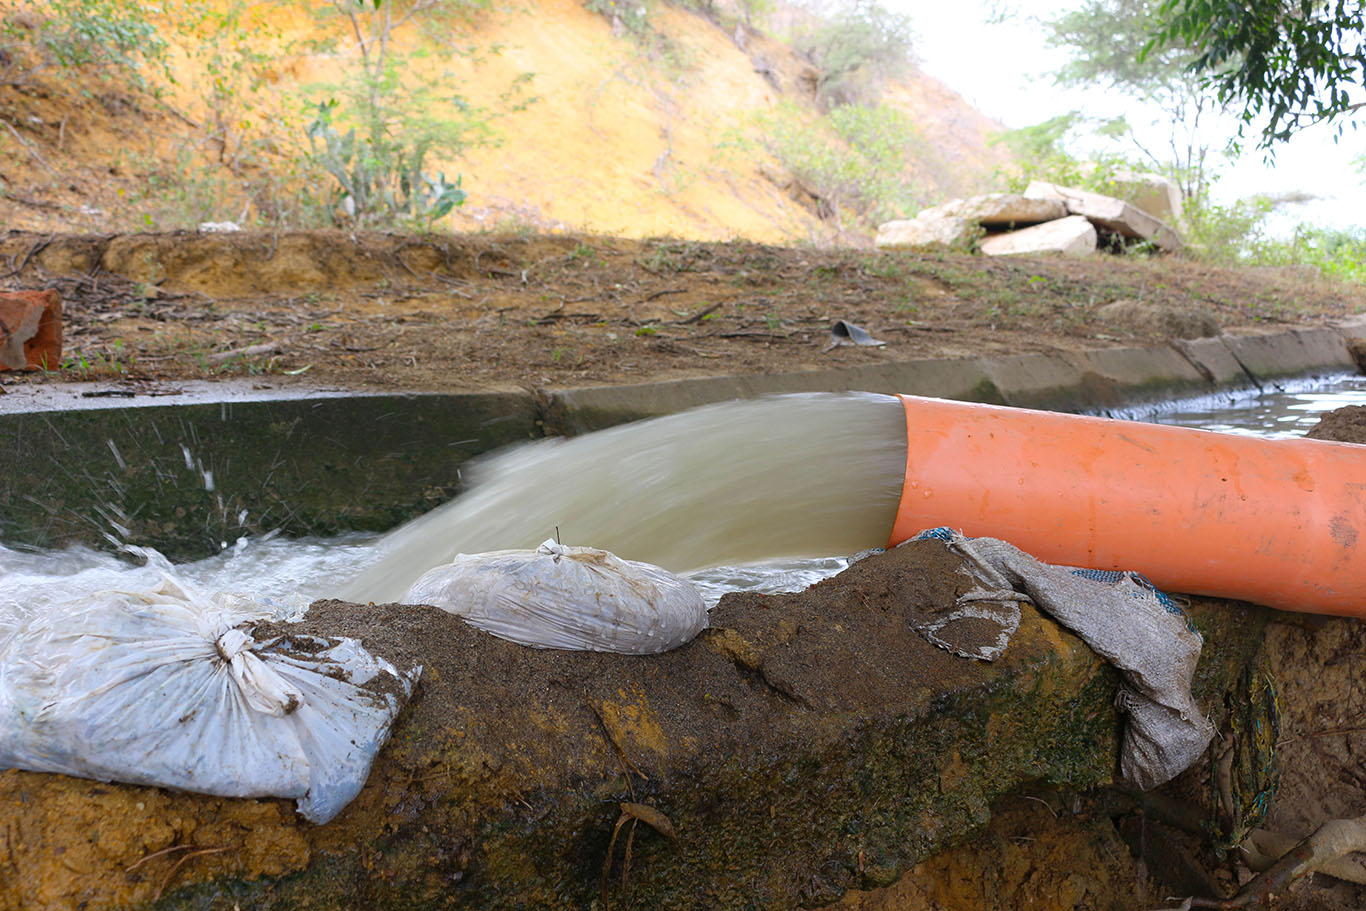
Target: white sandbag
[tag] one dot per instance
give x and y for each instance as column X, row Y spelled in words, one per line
column 567, row 597
column 169, row 688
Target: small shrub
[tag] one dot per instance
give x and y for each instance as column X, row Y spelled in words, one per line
column 856, row 160
column 82, row 34
column 376, row 140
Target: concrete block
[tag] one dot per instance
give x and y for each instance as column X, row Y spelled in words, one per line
column 928, row 231
column 1072, row 236
column 1107, row 212
column 1292, row 353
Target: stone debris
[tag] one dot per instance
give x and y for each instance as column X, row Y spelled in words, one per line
column 1046, row 218
column 1071, row 236
column 930, row 230
column 1151, row 193
column 1110, row 213
column 1005, row 210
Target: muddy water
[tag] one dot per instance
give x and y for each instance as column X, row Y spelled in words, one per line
column 796, row 476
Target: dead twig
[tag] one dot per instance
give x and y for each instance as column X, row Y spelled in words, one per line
column 621, row 754
column 658, row 294
column 705, row 311
column 249, row 351
column 33, row 251
column 29, row 148
column 1263, row 848
column 634, row 813
column 175, row 868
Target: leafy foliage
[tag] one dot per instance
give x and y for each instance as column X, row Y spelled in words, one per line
column 381, row 180
column 86, row 34
column 855, row 160
column 1040, row 152
column 375, row 141
column 1108, row 40
column 855, row 48
column 1292, row 61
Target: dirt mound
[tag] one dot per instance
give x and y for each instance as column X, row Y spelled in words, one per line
column 1345, row 425
column 799, row 749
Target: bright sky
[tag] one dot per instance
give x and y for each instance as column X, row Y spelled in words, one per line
column 1005, row 71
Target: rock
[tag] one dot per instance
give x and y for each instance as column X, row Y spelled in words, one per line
column 1357, row 349
column 1165, row 320
column 1109, row 213
column 30, row 330
column 999, row 210
column 957, row 223
column 1073, row 236
column 1151, row 193
column 928, row 231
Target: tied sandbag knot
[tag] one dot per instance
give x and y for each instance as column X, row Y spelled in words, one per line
column 263, row 689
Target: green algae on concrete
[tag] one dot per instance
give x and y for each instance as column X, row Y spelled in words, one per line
column 186, row 479
column 803, row 746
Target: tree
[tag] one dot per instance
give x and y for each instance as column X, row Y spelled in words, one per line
column 1294, row 62
column 1108, row 39
column 856, row 46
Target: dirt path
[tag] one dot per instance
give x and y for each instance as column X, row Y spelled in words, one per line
column 484, row 311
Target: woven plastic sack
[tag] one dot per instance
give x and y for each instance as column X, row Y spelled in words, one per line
column 169, row 688
column 1125, row 620
column 567, row 597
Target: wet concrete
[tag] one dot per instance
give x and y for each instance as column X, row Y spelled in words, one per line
column 187, row 478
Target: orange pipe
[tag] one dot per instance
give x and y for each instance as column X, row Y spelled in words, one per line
column 1278, row 522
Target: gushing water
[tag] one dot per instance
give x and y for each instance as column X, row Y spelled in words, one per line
column 790, row 476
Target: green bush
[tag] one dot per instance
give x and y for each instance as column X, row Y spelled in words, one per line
column 855, row 159
column 376, row 139
column 1335, row 252
column 1040, row 152
column 85, row 34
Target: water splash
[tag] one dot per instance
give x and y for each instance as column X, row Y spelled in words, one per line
column 809, row 475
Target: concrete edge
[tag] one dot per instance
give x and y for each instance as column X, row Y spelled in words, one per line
column 1084, row 380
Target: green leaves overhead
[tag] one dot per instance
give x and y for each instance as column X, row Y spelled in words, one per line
column 1295, row 63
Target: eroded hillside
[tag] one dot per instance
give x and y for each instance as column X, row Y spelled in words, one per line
column 662, row 129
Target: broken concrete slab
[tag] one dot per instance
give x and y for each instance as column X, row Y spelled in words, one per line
column 1109, row 213
column 928, row 231
column 803, row 746
column 1151, row 193
column 1070, row 236
column 996, row 210
column 957, row 223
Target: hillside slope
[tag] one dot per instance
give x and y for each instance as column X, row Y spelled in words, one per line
column 657, row 132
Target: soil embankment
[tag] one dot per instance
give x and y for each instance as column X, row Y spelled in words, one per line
column 481, row 312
